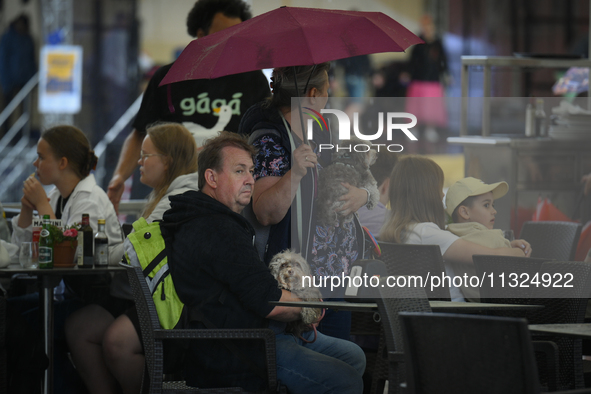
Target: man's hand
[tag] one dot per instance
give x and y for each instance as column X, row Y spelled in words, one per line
column 286, row 313
column 115, row 191
column 128, row 161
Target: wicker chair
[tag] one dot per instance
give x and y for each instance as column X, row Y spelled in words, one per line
column 497, row 265
column 552, row 240
column 389, row 363
column 3, row 358
column 153, row 336
column 459, row 354
column 561, row 305
column 403, row 259
column 564, row 305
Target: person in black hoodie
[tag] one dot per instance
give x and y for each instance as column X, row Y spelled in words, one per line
column 218, row 274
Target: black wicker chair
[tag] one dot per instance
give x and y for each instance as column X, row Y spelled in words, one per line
column 564, row 305
column 153, row 336
column 552, row 240
column 390, row 361
column 423, row 260
column 3, row 358
column 488, row 265
column 561, row 305
column 447, row 353
column 464, row 354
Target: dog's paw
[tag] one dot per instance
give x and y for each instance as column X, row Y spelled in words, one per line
column 310, row 315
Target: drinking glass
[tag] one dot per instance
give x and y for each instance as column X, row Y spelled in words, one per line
column 509, row 235
column 29, row 255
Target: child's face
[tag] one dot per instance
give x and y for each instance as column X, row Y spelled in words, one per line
column 482, row 210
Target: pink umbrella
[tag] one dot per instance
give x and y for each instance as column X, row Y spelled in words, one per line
column 290, row 36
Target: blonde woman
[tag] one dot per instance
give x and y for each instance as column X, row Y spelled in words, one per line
column 104, row 341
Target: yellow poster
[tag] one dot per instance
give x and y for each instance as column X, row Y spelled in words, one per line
column 60, row 79
column 60, row 72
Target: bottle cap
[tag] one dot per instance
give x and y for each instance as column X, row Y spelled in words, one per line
column 101, row 221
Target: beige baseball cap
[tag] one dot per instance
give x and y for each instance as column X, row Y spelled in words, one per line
column 469, row 187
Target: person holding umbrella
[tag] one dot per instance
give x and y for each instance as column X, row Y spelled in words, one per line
column 284, row 167
column 194, row 103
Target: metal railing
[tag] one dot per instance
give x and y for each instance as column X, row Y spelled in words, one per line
column 16, row 157
column 17, row 153
column 110, row 136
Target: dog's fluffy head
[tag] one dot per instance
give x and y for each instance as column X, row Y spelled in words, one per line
column 288, row 267
column 360, row 160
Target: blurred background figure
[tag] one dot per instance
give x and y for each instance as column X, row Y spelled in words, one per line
column 428, row 73
column 357, row 70
column 381, row 170
column 17, row 60
column 114, row 67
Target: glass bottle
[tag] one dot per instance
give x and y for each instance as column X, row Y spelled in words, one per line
column 101, row 245
column 85, row 243
column 45, row 245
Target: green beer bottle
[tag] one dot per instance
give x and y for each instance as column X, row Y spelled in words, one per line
column 45, row 245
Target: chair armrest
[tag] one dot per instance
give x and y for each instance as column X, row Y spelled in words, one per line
column 219, row 333
column 395, row 357
column 266, row 334
column 550, row 351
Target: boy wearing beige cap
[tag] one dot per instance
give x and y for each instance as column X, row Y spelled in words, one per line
column 470, row 204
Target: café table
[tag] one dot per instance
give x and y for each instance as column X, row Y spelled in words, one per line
column 578, row 330
column 49, row 279
column 436, row 306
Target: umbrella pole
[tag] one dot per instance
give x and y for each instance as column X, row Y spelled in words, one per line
column 295, row 79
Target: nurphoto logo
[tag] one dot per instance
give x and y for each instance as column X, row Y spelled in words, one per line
column 392, row 124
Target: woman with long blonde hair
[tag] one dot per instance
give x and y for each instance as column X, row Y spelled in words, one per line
column 177, row 166
column 104, row 342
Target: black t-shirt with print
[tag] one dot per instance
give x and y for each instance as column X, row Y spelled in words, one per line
column 194, row 100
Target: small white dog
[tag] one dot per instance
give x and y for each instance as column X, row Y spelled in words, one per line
column 288, row 267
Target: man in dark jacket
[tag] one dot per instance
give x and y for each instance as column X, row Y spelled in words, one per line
column 217, row 272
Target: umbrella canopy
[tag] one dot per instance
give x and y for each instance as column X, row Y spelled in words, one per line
column 290, row 36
